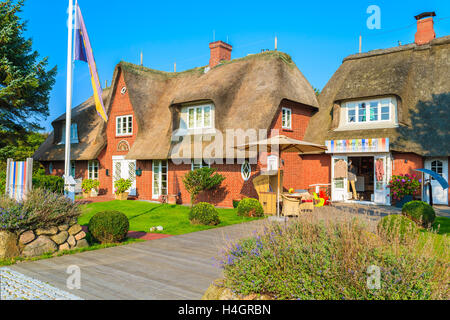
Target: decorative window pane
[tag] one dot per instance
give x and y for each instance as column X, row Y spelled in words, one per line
column 362, row 112
column 73, row 133
column 437, row 166
column 199, row 117
column 374, row 111
column 246, row 170
column 198, row 164
column 159, row 178
column 385, row 110
column 191, row 121
column 351, row 112
column 207, row 117
column 124, row 125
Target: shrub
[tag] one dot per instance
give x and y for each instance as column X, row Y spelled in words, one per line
column 420, row 212
column 250, row 207
column 41, row 209
column 401, row 186
column 318, row 257
column 48, row 182
column 109, row 226
column 204, row 213
column 200, row 180
column 122, row 185
column 235, row 203
column 88, row 184
column 2, row 181
column 396, row 227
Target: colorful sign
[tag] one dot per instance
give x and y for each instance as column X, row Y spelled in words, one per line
column 18, row 178
column 358, row 145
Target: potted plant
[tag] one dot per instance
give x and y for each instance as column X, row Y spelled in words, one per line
column 403, row 187
column 122, row 185
column 90, row 188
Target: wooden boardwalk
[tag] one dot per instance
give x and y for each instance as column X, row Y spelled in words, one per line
column 178, row 267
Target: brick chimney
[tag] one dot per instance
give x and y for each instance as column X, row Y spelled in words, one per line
column 219, row 51
column 425, row 30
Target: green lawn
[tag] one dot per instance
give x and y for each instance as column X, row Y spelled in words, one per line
column 144, row 215
column 443, row 224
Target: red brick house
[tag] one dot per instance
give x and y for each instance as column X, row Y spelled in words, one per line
column 387, row 111
column 154, row 115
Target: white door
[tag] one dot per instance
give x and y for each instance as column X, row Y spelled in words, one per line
column 381, row 169
column 124, row 169
column 440, row 166
column 339, row 189
column 159, row 169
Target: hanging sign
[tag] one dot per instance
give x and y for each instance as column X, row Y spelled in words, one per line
column 358, row 145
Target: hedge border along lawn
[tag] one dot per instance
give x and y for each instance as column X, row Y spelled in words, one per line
column 144, row 215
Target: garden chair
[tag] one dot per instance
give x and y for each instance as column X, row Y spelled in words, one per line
column 291, row 206
column 307, row 204
column 323, row 195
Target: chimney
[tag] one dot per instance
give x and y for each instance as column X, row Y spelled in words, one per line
column 425, row 30
column 219, row 51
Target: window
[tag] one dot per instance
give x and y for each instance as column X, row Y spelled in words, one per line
column 370, row 111
column 199, row 117
column 197, row 164
column 93, row 169
column 246, row 170
column 286, row 118
column 437, row 166
column 73, row 133
column 272, row 162
column 72, row 168
column 124, row 125
column 50, row 168
column 159, row 178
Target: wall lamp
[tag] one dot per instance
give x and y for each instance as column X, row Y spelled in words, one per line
column 139, row 172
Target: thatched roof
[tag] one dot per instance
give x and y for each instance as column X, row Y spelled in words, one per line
column 419, row 76
column 246, row 93
column 89, row 126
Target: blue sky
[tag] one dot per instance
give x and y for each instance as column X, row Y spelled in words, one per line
column 317, row 34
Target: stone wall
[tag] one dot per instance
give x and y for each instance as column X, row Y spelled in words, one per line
column 32, row 243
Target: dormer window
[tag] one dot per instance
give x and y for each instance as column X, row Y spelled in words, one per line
column 73, row 133
column 367, row 114
column 286, row 118
column 124, row 125
column 199, row 117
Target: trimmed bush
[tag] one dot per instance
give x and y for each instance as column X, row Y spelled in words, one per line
column 109, row 226
column 48, row 182
column 250, row 207
column 204, row 213
column 396, row 227
column 41, row 209
column 420, row 212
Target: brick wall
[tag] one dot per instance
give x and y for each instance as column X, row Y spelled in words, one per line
column 406, row 163
column 121, row 106
column 58, row 168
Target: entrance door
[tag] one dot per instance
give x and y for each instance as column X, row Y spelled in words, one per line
column 440, row 166
column 159, row 178
column 124, row 169
column 339, row 191
column 381, row 173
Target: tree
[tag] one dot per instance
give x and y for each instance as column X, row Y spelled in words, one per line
column 200, row 180
column 25, row 83
column 316, row 91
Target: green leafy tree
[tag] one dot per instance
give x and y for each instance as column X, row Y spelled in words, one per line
column 25, row 83
column 200, row 180
column 316, row 91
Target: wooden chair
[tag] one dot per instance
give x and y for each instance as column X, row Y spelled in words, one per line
column 307, row 204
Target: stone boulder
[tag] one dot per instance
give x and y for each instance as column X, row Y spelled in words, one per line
column 47, row 232
column 27, row 237
column 73, row 230
column 80, row 235
column 39, row 246
column 64, row 246
column 8, row 245
column 63, row 227
column 71, row 241
column 82, row 244
column 60, row 238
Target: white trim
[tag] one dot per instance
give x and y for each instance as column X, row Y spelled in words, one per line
column 202, row 126
column 202, row 164
column 160, row 175
column 288, row 113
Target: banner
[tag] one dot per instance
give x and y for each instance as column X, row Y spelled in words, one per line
column 358, row 145
column 18, row 178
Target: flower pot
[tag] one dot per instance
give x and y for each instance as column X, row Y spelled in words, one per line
column 93, row 193
column 122, row 196
column 86, row 195
column 399, row 203
column 172, row 199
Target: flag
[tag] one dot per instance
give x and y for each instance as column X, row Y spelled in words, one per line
column 83, row 52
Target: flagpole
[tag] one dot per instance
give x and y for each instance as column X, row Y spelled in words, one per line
column 68, row 95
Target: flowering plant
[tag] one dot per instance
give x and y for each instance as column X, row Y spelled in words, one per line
column 88, row 184
column 404, row 185
column 122, row 185
column 12, row 218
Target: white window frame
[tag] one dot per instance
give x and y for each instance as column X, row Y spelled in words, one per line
column 381, row 103
column 124, row 130
column 93, row 169
column 286, row 118
column 202, row 124
column 196, row 163
column 73, row 168
column 270, row 158
column 249, row 174
column 73, row 133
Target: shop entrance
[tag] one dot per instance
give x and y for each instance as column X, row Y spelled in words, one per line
column 369, row 174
